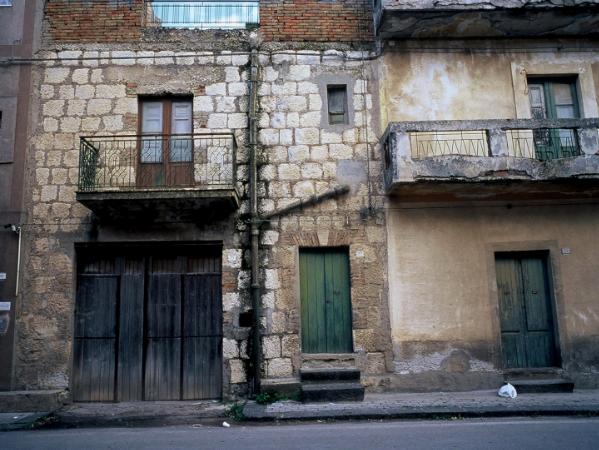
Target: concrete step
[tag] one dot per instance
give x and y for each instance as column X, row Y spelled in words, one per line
column 333, row 374
column 332, row 392
column 328, row 360
column 530, row 385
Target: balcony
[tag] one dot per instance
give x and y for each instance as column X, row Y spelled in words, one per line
column 158, row 177
column 503, row 160
column 202, row 15
column 401, row 19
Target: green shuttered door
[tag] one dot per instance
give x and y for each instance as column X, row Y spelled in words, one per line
column 325, row 299
column 527, row 331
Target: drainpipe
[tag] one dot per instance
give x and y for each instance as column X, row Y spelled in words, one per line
column 256, row 350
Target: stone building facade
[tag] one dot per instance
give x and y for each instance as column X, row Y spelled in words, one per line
column 91, row 88
column 420, row 228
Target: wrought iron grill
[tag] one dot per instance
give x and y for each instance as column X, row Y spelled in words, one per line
column 543, row 143
column 200, row 14
column 157, row 162
column 468, row 143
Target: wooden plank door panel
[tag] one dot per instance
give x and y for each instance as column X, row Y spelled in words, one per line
column 202, row 330
column 338, row 305
column 539, row 319
column 312, row 296
column 163, row 338
column 95, row 338
column 162, row 377
column 130, row 361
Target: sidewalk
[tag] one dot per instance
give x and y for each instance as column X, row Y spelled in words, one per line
column 432, row 405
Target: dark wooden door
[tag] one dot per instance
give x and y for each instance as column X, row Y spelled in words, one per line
column 149, row 326
column 526, row 313
column 325, row 301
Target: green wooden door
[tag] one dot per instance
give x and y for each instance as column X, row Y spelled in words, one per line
column 325, row 300
column 527, row 330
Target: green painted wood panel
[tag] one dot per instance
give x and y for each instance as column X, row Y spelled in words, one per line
column 527, row 329
column 325, row 301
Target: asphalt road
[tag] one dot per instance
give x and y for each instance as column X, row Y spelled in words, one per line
column 513, row 433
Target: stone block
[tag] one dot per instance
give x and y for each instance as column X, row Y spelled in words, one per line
column 46, row 92
column 340, row 151
column 80, row 76
column 281, row 89
column 286, row 137
column 328, row 137
column 240, row 60
column 238, row 120
column 290, row 345
column 270, row 74
column 269, row 237
column 50, row 125
column 203, row 104
column 293, row 103
column 145, row 58
column 299, row 72
column 269, row 136
column 299, row 153
column 231, row 301
column 280, row 58
column 216, row 121
column 76, row 107
column 238, row 374
column 126, row 105
column 98, row 107
column 216, row 89
column 310, row 119
column 123, row 57
column 113, row 123
column 303, row 189
column 84, row 91
column 56, row 75
column 319, row 152
column 232, row 74
column 280, row 368
column 277, row 120
column 304, row 57
column 230, row 348
column 237, row 89
column 70, row 124
column 225, row 104
column 185, row 60
column 49, row 193
column 232, row 258
column 54, row 108
column 293, row 120
column 311, row 171
column 271, row 279
column 308, row 136
column 90, row 124
column 306, row 87
column 97, row 76
column 66, row 92
column 271, row 347
column 111, row 91
column 289, row 172
column 315, row 102
column 164, row 58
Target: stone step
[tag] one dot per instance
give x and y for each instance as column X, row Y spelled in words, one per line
column 328, row 360
column 333, row 374
column 332, row 392
column 530, row 385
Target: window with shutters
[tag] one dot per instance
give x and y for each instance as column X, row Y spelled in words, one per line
column 166, row 150
column 337, row 104
column 554, row 98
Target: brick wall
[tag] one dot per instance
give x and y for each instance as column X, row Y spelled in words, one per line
column 78, row 21
column 316, row 20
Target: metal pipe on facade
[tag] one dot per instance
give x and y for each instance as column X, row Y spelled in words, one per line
column 256, row 348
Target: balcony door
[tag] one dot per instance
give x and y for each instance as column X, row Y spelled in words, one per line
column 166, row 144
column 554, row 98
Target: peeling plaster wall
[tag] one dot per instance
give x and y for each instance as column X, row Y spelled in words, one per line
column 449, row 83
column 443, row 295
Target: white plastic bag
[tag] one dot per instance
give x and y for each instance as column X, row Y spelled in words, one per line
column 508, row 391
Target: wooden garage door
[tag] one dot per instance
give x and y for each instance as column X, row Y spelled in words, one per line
column 148, row 326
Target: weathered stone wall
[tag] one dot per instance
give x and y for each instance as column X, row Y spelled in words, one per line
column 92, row 90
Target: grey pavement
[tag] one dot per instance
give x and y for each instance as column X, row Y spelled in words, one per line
column 467, row 404
column 19, row 420
column 531, row 434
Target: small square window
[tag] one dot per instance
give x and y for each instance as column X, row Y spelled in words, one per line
column 337, row 104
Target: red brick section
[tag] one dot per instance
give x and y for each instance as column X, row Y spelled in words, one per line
column 316, row 21
column 78, row 21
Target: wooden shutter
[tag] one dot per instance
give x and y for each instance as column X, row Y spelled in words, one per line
column 337, row 104
column 536, row 94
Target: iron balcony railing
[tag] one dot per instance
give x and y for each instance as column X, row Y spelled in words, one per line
column 200, row 14
column 152, row 161
column 541, row 139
